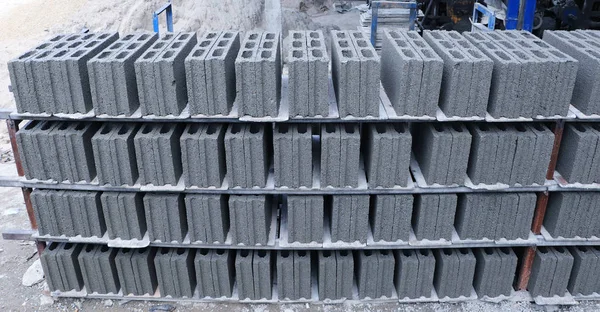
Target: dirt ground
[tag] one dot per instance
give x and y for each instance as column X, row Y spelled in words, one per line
column 24, row 23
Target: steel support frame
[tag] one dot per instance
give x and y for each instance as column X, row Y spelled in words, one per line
column 376, row 5
column 168, row 9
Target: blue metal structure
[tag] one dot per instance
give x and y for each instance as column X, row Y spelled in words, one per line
column 376, row 5
column 482, row 9
column 516, row 11
column 168, row 9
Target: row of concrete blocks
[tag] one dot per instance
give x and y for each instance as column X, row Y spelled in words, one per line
column 308, row 71
column 212, row 273
column 355, row 69
column 258, row 74
column 247, row 219
column 488, row 154
column 552, row 268
column 582, row 45
column 580, row 161
column 530, row 78
column 573, row 214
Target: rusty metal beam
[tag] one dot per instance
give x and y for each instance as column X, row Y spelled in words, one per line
column 13, row 127
column 540, row 212
column 525, row 270
column 559, row 126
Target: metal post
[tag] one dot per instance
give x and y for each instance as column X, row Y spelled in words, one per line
column 374, row 13
column 168, row 9
column 529, row 15
column 558, row 132
column 512, row 14
column 525, row 271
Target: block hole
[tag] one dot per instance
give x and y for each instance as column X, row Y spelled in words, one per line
column 103, row 55
column 302, row 253
column 236, row 128
column 125, row 250
column 221, row 251
column 46, row 126
column 255, row 128
column 104, row 248
column 124, row 129
column 424, row 252
column 413, row 35
column 420, row 44
column 141, row 38
column 78, row 53
column 60, row 45
column 521, row 128
column 361, row 43
column 407, row 253
column 506, row 44
column 385, row 252
column 80, row 126
column 494, row 36
column 212, row 129
column 53, row 246
column 464, row 251
column 488, row 251
column 63, row 126
column 268, row 45
column 176, row 45
column 314, row 34
column 43, row 55
column 577, row 44
column 60, row 53
column 89, row 248
column 247, row 54
column 283, row 128
column 501, row 127
column 366, row 53
column 542, row 44
column 344, row 253
column 509, row 34
column 228, row 35
column 193, row 129
column 211, row 35
column 349, row 128
column 165, row 128
column 542, row 249
column 436, row 35
column 253, row 36
column 524, row 44
column 483, row 127
column 315, row 44
column 539, row 127
column 457, row 128
column 218, row 52
column 326, row 253
column 317, row 53
column 380, row 128
column 475, row 54
column 438, row 127
column 343, row 44
column 149, row 55
column 576, row 35
column 427, row 53
column 56, row 38
column 408, row 53
column 265, row 54
column 580, row 128
column 347, row 53
column 401, row 43
column 183, row 37
column 147, row 129
column 223, row 43
column 593, row 53
column 164, row 251
column 72, row 37
column 504, row 250
column 32, row 125
column 502, row 55
column 116, row 46
column 398, row 127
column 296, row 44
column 250, row 45
column 129, row 37
column 180, row 251
column 91, row 44
column 297, row 35
column 41, row 46
column 297, row 54
column 357, row 35
column 368, row 253
column 205, row 43
column 302, row 128
column 285, row 253
column 261, row 253
column 522, row 55
column 476, row 36
column 270, row 36
column 122, row 55
column 167, row 37
column 168, row 54
column 75, row 45
column 68, row 246
column 394, row 34
column 204, row 252
column 456, row 54
column 447, row 252
column 198, row 52
column 582, row 249
column 340, row 35
column 560, row 249
column 141, row 251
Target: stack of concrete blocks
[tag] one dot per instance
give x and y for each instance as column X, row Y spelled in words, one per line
column 579, row 159
column 112, row 75
column 335, row 274
column 414, row 273
column 355, row 68
column 61, row 265
column 215, row 272
column 305, row 218
column 454, row 272
column 165, row 217
column 387, row 150
column 254, row 274
column 67, row 147
column 98, row 269
column 349, row 220
column 210, row 73
column 53, row 77
column 573, row 214
column 308, row 66
column 442, row 152
column 582, row 46
column 114, row 154
column 175, row 272
column 293, row 155
column 494, row 272
column 550, row 272
column 258, row 74
column 586, row 267
column 495, row 215
column 411, row 73
column 160, row 75
column 203, row 155
column 390, row 217
column 136, row 271
column 433, row 216
column 124, row 215
column 207, row 218
column 467, row 74
column 502, row 153
column 375, row 273
column 250, row 219
column 68, row 213
column 248, row 150
column 294, row 275
column 158, row 153
column 340, row 155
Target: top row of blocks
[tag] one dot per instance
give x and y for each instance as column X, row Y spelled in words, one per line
column 503, row 74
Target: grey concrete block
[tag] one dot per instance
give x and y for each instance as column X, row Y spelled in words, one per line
column 349, row 218
column 294, row 275
column 543, row 148
column 85, row 213
column 386, row 149
column 250, row 219
column 390, row 218
column 560, row 213
column 466, row 271
column 158, row 153
column 305, row 218
column 165, row 217
column 345, row 73
column 292, row 155
column 340, row 155
column 220, row 73
column 370, row 69
column 487, row 272
column 433, row 152
column 161, row 77
column 98, row 268
column 61, row 266
column 175, row 272
column 203, row 155
column 518, row 210
column 198, row 77
column 136, row 271
column 484, row 148
column 124, row 215
column 446, row 276
column 248, row 155
column 318, row 74
column 373, row 276
column 298, row 69
column 44, row 212
column 564, row 266
column 542, row 272
column 26, row 142
column 580, row 140
column 112, row 75
column 254, row 271
column 215, row 272
column 207, row 217
column 414, row 273
column 433, row 216
column 114, row 154
column 582, row 275
column 335, row 274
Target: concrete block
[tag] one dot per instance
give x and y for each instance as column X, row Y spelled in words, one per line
column 561, row 213
column 543, row 148
column 207, row 217
column 198, row 79
column 335, row 274
column 165, row 217
column 414, row 273
column 564, row 266
column 340, row 155
column 203, row 155
column 98, row 268
column 136, row 270
column 349, row 218
column 305, row 218
column 44, row 212
column 581, row 141
column 518, row 210
column 124, row 215
column 26, row 142
column 368, row 273
column 391, row 217
column 433, row 216
column 250, row 219
column 387, row 149
column 61, row 266
column 158, row 153
column 345, row 73
column 487, row 272
column 582, row 275
column 318, row 74
column 215, row 272
column 484, row 148
column 114, row 154
column 175, row 272
column 292, row 155
column 85, row 213
column 112, row 75
column 247, row 151
column 220, row 73
column 254, row 271
column 466, row 271
column 370, row 69
column 446, row 276
column 298, row 68
column 294, row 277
column 542, row 272
column 434, row 151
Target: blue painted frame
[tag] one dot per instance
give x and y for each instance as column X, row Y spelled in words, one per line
column 376, row 5
column 168, row 9
column 512, row 15
column 480, row 8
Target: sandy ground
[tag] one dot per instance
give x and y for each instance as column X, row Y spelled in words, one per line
column 24, row 23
